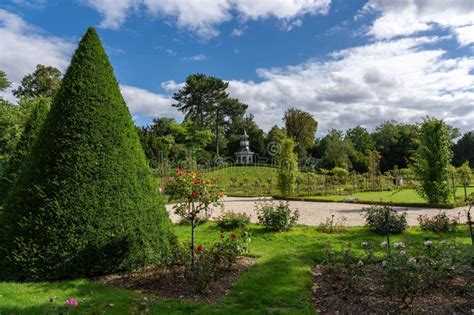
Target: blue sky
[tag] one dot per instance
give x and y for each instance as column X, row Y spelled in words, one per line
column 347, row 62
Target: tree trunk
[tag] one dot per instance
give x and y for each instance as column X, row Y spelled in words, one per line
column 469, row 222
column 217, row 132
column 193, row 219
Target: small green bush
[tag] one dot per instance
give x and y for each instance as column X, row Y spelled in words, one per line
column 231, row 220
column 439, row 223
column 385, row 220
column 332, row 225
column 276, row 216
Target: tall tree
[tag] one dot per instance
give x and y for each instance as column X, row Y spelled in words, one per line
column 287, row 167
column 396, row 143
column 301, row 126
column 85, row 202
column 4, row 83
column 44, row 81
column 335, row 150
column 464, row 150
column 204, row 100
column 432, row 161
column 226, row 109
column 360, row 138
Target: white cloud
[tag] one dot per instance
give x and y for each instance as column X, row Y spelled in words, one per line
column 198, row 57
column 145, row 103
column 22, row 47
column 114, row 11
column 238, row 31
column 465, row 35
column 408, row 17
column 281, row 9
column 204, row 16
column 398, row 79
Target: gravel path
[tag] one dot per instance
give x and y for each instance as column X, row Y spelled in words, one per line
column 313, row 213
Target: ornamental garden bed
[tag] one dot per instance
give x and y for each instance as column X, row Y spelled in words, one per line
column 438, row 279
column 173, row 283
column 332, row 295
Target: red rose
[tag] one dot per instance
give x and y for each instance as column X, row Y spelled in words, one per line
column 196, row 182
column 194, row 194
column 233, row 236
column 200, row 248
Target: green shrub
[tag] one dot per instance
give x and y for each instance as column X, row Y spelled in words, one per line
column 385, row 220
column 85, row 202
column 210, row 260
column 331, row 226
column 276, row 216
column 230, row 220
column 39, row 110
column 439, row 223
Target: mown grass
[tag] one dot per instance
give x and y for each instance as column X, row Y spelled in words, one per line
column 396, row 197
column 280, row 281
column 250, row 180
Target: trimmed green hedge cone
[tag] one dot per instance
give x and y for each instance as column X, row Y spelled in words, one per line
column 85, row 202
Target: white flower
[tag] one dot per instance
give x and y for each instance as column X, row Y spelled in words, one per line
column 403, row 253
column 442, row 243
column 384, row 244
column 412, row 260
column 399, row 245
column 365, row 244
column 428, row 243
column 384, row 263
column 360, row 263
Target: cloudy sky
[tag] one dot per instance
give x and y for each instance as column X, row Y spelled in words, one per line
column 347, row 62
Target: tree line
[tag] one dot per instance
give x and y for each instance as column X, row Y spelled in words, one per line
column 214, row 122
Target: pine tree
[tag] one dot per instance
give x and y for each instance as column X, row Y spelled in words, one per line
column 85, row 202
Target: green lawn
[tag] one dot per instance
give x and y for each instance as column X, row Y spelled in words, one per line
column 280, row 281
column 250, row 180
column 406, row 196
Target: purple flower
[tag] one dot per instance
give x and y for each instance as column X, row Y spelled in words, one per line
column 71, row 303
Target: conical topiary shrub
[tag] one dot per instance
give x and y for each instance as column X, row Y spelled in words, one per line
column 85, row 202
column 34, row 122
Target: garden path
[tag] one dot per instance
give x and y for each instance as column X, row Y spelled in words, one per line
column 313, row 213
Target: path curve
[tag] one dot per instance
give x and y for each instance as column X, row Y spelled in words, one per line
column 313, row 213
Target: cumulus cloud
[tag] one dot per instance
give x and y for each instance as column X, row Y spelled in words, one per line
column 408, row 17
column 204, row 16
column 400, row 79
column 145, row 103
column 22, row 47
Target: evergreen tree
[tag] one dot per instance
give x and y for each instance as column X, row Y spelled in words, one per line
column 287, row 167
column 31, row 130
column 432, row 162
column 85, row 202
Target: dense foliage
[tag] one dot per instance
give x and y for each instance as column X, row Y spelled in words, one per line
column 85, row 202
column 34, row 123
column 432, row 162
column 231, row 220
column 385, row 220
column 45, row 81
column 276, row 216
column 287, row 167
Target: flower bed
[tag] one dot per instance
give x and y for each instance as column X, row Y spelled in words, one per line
column 173, row 283
column 435, row 279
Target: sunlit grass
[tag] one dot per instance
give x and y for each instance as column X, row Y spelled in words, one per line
column 280, row 281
